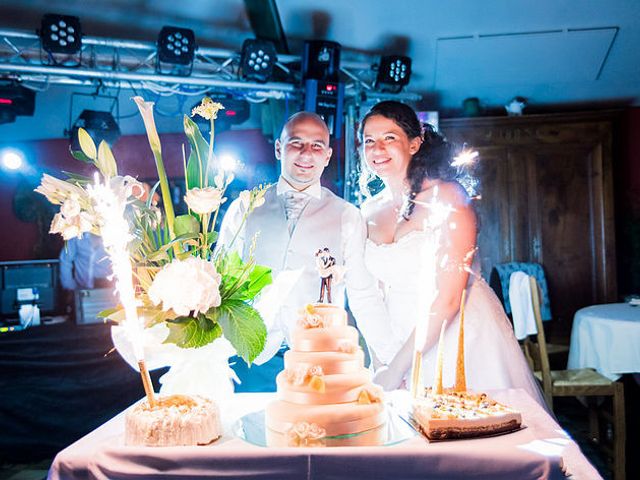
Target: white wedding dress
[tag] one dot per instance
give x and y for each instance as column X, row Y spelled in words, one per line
column 493, row 357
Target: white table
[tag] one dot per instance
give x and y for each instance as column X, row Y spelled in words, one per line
column 540, row 451
column 607, row 339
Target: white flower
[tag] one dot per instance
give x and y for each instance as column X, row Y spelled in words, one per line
column 218, row 180
column 57, row 191
column 191, row 285
column 245, row 199
column 70, row 208
column 204, row 200
column 73, row 226
column 57, row 224
column 126, row 187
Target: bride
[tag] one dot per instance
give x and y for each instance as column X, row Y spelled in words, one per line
column 404, row 220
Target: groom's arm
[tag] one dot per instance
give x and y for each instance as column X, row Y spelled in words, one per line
column 365, row 298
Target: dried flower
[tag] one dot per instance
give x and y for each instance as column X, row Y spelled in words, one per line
column 304, row 434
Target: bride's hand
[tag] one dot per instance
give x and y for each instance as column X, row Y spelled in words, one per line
column 388, row 378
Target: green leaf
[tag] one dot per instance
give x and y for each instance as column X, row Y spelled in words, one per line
column 259, row 278
column 106, row 162
column 162, row 252
column 78, row 155
column 77, row 178
column 86, row 144
column 199, row 149
column 212, row 236
column 109, row 312
column 243, row 327
column 186, row 224
column 230, row 264
column 189, row 332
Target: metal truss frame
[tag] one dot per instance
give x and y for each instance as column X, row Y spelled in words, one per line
column 132, row 64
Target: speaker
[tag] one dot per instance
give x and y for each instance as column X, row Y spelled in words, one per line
column 326, row 98
column 89, row 303
column 321, row 60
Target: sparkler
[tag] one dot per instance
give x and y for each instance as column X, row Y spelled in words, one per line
column 110, row 206
column 438, row 215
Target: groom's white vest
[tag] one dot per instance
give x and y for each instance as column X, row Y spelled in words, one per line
column 319, row 226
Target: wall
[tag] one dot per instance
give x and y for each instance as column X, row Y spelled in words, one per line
column 21, row 240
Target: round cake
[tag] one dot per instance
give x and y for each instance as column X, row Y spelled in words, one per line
column 173, row 421
column 325, row 395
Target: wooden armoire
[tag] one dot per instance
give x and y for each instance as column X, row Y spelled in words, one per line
column 547, row 197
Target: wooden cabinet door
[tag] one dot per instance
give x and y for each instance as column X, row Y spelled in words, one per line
column 547, row 195
column 494, row 216
column 566, row 218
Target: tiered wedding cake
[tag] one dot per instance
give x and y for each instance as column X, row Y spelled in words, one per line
column 173, row 421
column 325, row 395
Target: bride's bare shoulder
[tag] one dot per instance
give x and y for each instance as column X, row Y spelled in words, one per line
column 449, row 193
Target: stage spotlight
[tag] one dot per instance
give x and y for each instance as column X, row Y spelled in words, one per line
column 321, row 60
column 60, row 34
column 176, row 51
column 99, row 125
column 12, row 159
column 257, row 60
column 394, row 73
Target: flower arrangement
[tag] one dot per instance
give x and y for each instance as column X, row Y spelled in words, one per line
column 201, row 293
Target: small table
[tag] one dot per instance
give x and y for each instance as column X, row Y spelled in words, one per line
column 607, row 339
column 537, row 452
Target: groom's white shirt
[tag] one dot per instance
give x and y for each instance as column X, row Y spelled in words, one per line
column 326, row 221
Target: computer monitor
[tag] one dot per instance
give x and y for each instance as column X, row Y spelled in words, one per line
column 37, row 274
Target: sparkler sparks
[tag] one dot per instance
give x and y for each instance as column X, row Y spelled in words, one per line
column 110, row 204
column 465, row 157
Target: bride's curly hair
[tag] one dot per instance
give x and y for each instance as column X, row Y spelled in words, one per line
column 432, row 160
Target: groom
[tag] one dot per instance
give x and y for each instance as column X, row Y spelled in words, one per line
column 298, row 217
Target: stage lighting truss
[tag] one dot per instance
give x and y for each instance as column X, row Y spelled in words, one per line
column 257, row 60
column 61, row 38
column 119, row 63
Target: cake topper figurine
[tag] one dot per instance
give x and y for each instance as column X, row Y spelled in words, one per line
column 325, row 264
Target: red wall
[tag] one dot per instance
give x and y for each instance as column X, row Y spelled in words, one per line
column 20, row 240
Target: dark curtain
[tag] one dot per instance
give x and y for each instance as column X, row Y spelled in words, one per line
column 58, row 383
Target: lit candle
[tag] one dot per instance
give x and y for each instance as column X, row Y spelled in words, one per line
column 461, row 381
column 440, row 360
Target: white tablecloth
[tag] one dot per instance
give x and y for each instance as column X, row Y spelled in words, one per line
column 607, row 339
column 536, row 452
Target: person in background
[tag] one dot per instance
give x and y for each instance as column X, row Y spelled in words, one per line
column 84, row 264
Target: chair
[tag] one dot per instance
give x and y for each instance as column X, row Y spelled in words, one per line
column 584, row 382
column 499, row 281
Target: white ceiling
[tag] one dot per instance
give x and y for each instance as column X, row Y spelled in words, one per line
column 556, row 53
